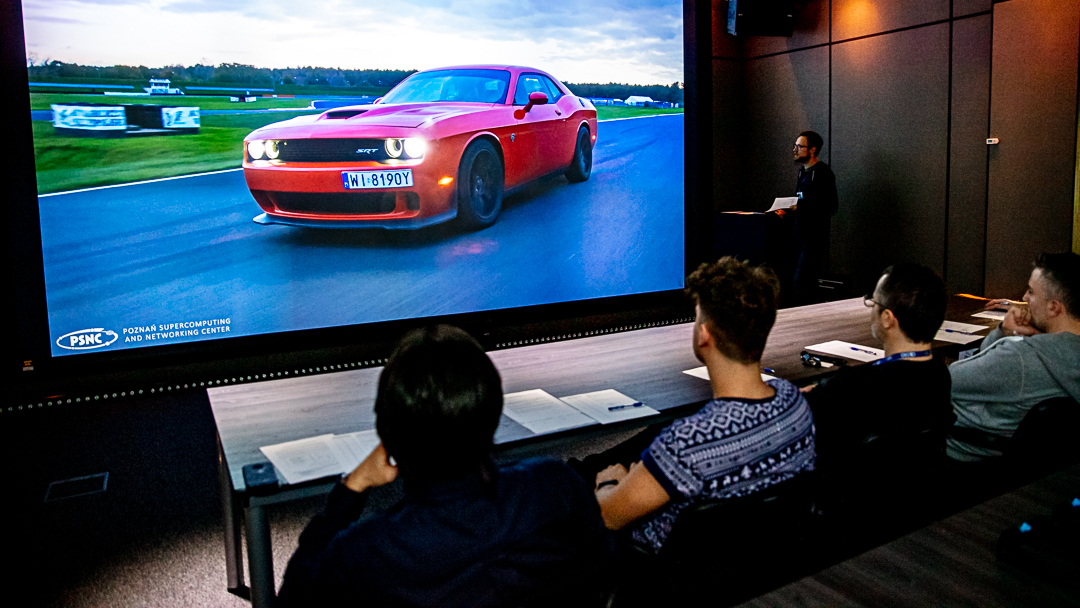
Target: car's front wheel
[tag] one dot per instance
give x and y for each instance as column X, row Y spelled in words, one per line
column 480, row 185
column 581, row 166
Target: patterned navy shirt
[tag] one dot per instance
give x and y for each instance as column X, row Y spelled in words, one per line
column 729, row 448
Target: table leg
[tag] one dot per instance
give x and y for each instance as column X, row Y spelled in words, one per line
column 234, row 568
column 260, row 557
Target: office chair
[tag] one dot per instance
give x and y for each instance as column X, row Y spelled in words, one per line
column 1045, row 441
column 879, row 487
column 742, row 546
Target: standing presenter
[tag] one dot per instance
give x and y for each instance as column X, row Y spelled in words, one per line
column 816, row 191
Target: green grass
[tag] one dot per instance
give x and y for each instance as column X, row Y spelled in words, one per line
column 606, row 112
column 69, row 163
column 43, row 101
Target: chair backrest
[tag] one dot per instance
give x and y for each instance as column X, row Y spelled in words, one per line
column 735, row 532
column 1046, row 437
column 878, row 465
column 743, row 546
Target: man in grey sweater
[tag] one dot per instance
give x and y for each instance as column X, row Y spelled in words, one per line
column 1034, row 355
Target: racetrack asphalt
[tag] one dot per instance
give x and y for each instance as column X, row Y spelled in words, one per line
column 184, row 250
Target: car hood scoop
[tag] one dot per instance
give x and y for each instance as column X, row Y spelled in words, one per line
column 413, row 115
column 340, row 114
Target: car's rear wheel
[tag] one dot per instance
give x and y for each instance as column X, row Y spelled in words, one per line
column 480, row 185
column 581, row 166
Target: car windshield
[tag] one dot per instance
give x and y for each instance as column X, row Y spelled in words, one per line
column 478, row 86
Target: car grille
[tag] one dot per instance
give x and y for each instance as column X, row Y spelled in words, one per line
column 331, row 150
column 342, row 203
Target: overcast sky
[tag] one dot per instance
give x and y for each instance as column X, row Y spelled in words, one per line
column 633, row 41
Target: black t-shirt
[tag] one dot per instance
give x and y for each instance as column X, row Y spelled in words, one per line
column 881, row 399
column 818, row 202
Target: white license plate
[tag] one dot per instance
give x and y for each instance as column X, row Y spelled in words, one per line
column 359, row 180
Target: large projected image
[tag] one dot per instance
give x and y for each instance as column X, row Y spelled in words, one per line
column 221, row 169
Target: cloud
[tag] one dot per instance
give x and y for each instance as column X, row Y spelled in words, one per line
column 47, row 19
column 638, row 41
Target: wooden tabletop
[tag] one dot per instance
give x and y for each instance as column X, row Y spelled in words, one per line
column 949, row 563
column 645, row 364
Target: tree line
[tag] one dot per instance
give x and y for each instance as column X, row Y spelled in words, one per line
column 225, row 73
column 249, row 75
column 613, row 90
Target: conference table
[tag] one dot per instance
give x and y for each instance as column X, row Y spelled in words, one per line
column 646, row 364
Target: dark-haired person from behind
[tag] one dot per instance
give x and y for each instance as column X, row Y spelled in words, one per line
column 466, row 533
column 905, row 392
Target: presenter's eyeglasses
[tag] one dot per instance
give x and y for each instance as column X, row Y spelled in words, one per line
column 797, row 146
column 869, row 301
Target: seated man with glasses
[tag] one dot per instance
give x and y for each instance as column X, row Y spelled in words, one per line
column 907, row 391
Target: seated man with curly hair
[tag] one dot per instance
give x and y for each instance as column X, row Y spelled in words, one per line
column 751, row 436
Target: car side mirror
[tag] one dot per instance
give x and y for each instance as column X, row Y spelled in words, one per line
column 536, row 98
column 377, row 100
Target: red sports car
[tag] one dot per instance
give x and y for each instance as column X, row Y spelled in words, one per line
column 443, row 143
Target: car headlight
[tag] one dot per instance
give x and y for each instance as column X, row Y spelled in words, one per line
column 272, row 149
column 393, row 148
column 415, row 147
column 256, row 148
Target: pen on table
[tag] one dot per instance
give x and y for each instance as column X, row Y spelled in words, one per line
column 957, row 331
column 627, row 406
column 863, row 350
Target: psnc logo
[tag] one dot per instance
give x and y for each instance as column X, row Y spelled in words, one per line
column 87, row 339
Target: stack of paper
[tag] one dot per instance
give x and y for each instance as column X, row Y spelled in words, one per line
column 785, row 202
column 959, row 333
column 846, row 350
column 323, row 456
column 997, row 315
column 703, row 373
column 328, row 455
column 608, row 406
column 540, row 412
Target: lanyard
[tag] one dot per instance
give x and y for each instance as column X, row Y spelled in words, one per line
column 899, row 356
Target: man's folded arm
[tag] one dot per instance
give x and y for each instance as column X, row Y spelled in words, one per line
column 637, row 495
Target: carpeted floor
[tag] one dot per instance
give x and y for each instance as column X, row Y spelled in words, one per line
column 154, row 536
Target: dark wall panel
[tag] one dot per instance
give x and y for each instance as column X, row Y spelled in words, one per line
column 967, row 7
column 967, row 162
column 811, row 29
column 723, row 44
column 727, row 134
column 889, row 125
column 1033, row 112
column 785, row 94
column 853, row 18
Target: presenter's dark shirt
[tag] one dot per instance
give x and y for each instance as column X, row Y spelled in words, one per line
column 878, row 400
column 818, row 203
column 537, row 537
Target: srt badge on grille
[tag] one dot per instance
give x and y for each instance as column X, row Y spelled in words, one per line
column 366, row 150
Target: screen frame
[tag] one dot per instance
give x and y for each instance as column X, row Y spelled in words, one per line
column 30, row 364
